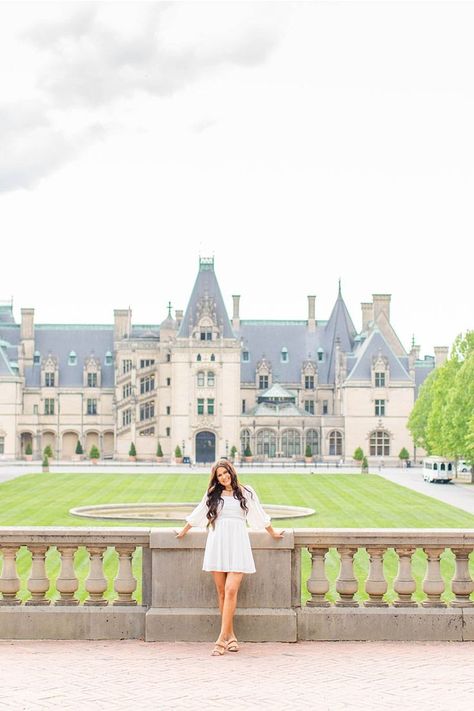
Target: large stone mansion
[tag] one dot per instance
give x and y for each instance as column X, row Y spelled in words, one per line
column 207, row 383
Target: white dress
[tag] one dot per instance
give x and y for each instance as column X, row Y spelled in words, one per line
column 228, row 544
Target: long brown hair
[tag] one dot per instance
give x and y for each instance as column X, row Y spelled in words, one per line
column 215, row 488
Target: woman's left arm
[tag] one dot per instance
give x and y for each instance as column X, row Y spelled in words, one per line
column 256, row 515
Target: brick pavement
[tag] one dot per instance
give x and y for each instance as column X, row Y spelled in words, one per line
column 321, row 675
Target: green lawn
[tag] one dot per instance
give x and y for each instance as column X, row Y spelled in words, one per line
column 340, row 500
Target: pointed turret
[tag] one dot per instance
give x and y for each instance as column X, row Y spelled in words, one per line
column 339, row 328
column 206, row 309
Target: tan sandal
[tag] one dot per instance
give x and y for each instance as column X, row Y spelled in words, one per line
column 232, row 645
column 219, row 649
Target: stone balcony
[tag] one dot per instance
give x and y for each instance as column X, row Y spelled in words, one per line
column 159, row 592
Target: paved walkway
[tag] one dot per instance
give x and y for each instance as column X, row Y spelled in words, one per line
column 373, row 676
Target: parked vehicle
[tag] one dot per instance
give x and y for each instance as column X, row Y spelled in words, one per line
column 438, row 469
column 464, row 466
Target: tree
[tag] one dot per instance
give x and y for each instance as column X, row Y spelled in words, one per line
column 365, row 466
column 79, row 449
column 177, row 452
column 404, row 455
column 47, row 451
column 460, row 404
column 437, row 432
column 132, row 452
column 417, row 422
column 233, row 451
column 248, row 451
column 45, row 464
column 94, row 453
column 28, row 449
column 358, row 454
column 308, row 453
column 159, row 451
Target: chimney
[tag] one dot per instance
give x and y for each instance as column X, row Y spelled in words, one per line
column 27, row 335
column 178, row 316
column 367, row 315
column 381, row 304
column 441, row 354
column 311, row 313
column 236, row 315
column 122, row 323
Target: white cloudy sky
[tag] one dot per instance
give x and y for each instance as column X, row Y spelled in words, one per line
column 299, row 143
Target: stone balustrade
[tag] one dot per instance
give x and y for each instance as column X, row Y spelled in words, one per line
column 312, row 584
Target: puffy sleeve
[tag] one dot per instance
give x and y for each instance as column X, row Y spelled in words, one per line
column 256, row 516
column 198, row 516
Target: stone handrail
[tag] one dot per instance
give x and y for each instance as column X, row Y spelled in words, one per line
column 178, row 599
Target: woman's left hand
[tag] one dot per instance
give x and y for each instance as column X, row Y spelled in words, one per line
column 277, row 535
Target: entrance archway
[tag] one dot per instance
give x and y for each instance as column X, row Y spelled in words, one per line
column 205, row 447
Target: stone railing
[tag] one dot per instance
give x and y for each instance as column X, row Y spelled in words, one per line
column 333, row 584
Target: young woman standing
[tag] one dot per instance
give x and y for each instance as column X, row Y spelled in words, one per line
column 225, row 508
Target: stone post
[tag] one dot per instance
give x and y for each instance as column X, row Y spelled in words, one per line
column 67, row 583
column 433, row 584
column 404, row 583
column 346, row 584
column 38, row 583
column 125, row 584
column 376, row 585
column 9, row 581
column 318, row 584
column 462, row 584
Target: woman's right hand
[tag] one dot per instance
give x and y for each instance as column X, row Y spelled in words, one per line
column 181, row 534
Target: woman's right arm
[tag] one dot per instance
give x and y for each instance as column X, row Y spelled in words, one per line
column 197, row 517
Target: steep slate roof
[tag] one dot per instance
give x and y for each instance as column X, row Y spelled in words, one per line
column 206, row 285
column 6, row 313
column 361, row 362
column 84, row 340
column 5, row 368
column 339, row 326
column 422, row 369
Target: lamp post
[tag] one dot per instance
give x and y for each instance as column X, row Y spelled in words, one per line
column 226, row 448
column 183, row 447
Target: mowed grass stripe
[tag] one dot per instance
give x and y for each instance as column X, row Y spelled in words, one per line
column 341, row 500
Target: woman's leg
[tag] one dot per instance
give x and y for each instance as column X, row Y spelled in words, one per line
column 219, row 580
column 231, row 589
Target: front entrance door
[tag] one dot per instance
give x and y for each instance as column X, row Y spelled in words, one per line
column 205, row 447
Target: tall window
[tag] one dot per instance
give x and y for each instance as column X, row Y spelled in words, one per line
column 266, row 443
column 243, row 405
column 284, row 355
column 380, row 408
column 146, row 362
column 126, row 417
column 244, row 440
column 168, row 381
column 168, row 409
column 379, row 444
column 245, row 356
column 126, row 365
column 379, row 380
column 291, row 443
column 200, row 405
column 320, row 355
column 91, row 380
column 127, row 390
column 200, row 379
column 210, row 379
column 325, row 407
column 206, row 334
column 72, row 359
column 168, row 431
column 91, row 406
column 309, row 406
column 263, row 382
column 2, row 445
column 49, row 380
column 147, row 384
column 210, row 405
column 49, row 406
column 147, row 410
column 309, row 382
column 335, row 444
column 36, row 357
column 109, row 359
column 312, row 438
column 213, row 357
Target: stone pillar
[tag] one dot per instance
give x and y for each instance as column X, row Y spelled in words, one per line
column 346, row 584
column 9, row 581
column 433, row 584
column 318, row 584
column 125, row 584
column 404, row 583
column 236, row 314
column 96, row 584
column 367, row 314
column 376, row 585
column 38, row 583
column 67, row 583
column 462, row 584
column 311, row 313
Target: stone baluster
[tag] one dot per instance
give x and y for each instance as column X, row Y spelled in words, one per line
column 38, row 583
column 67, row 583
column 346, row 584
column 433, row 584
column 376, row 585
column 404, row 584
column 9, row 582
column 318, row 584
column 96, row 583
column 462, row 584
column 125, row 584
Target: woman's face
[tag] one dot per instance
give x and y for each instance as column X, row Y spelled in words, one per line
column 223, row 477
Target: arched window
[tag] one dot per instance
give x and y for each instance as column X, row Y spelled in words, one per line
column 291, row 443
column 312, row 439
column 266, row 443
column 200, row 379
column 335, row 444
column 284, row 355
column 213, row 357
column 72, row 359
column 198, row 357
column 379, row 444
column 244, row 441
column 210, row 379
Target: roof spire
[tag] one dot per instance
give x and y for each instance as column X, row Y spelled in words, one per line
column 413, row 341
column 169, row 309
column 340, row 293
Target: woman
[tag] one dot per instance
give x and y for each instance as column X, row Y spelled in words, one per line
column 224, row 508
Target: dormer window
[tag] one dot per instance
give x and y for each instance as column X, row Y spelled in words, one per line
column 379, row 380
column 109, row 358
column 206, row 334
column 72, row 359
column 320, row 355
column 245, row 356
column 36, row 358
column 49, row 380
column 284, row 355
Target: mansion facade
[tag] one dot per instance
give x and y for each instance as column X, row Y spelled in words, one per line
column 206, row 382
